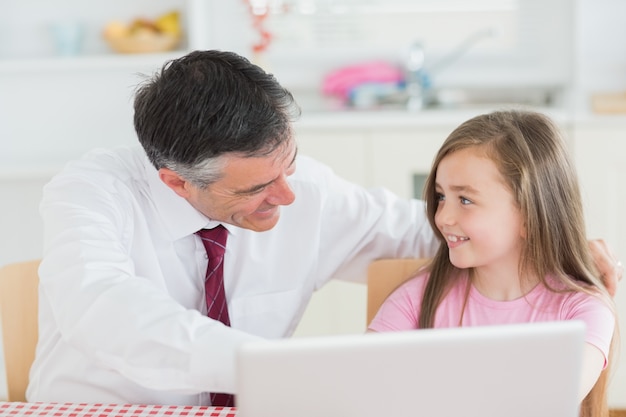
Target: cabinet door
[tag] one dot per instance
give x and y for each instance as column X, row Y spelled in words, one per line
column 599, row 155
column 403, row 157
column 343, row 150
column 338, row 307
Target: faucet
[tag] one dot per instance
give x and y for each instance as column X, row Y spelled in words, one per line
column 415, row 76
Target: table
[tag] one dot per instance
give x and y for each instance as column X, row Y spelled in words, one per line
column 19, row 409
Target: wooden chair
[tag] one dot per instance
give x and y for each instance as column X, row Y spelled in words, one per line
column 384, row 276
column 18, row 308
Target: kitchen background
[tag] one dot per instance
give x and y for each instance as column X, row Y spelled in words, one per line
column 64, row 90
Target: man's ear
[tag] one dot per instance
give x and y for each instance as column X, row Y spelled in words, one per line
column 175, row 182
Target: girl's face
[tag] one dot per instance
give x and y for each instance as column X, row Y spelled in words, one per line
column 477, row 214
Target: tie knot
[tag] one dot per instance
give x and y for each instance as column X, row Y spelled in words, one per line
column 214, row 240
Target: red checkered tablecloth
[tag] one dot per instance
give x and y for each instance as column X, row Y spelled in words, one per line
column 15, row 409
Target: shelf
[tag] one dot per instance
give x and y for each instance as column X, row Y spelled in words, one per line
column 86, row 62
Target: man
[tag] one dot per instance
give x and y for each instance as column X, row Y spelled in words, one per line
column 123, row 315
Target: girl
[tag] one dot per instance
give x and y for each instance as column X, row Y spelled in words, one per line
column 503, row 199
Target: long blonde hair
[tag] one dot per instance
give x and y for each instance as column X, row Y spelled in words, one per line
column 532, row 157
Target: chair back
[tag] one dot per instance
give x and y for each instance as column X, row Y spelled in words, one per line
column 18, row 309
column 384, row 276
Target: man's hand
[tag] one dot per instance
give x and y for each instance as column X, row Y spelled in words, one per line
column 610, row 269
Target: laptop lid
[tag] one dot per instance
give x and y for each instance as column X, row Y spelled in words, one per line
column 520, row 370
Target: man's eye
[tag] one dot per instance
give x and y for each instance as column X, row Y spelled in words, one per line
column 257, row 190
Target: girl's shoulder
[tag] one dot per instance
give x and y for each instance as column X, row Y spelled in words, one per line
column 415, row 284
column 568, row 285
column 585, row 295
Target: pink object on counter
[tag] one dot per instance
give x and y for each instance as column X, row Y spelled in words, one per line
column 341, row 81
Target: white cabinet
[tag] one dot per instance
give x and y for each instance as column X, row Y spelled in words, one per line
column 339, row 307
column 345, row 151
column 399, row 155
column 600, row 154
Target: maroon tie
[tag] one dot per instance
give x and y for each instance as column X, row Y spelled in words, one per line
column 214, row 241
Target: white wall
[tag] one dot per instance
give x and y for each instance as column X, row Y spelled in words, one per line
column 600, row 54
column 46, row 118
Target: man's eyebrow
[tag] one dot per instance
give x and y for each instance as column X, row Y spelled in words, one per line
column 257, row 187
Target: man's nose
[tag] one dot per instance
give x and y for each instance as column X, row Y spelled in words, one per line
column 282, row 194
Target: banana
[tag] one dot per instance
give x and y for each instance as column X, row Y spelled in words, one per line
column 169, row 23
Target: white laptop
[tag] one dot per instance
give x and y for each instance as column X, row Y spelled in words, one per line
column 521, row 370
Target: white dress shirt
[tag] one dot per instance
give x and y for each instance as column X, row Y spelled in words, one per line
column 121, row 310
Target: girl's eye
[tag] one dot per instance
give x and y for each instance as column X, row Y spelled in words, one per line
column 439, row 197
column 465, row 201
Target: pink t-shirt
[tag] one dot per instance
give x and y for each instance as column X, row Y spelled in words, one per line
column 401, row 310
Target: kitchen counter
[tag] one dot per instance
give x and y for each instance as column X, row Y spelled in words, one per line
column 349, row 119
column 453, row 107
column 327, row 112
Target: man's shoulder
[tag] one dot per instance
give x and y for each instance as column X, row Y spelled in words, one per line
column 120, row 162
column 311, row 170
column 108, row 169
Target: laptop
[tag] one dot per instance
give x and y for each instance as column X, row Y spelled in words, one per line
column 519, row 370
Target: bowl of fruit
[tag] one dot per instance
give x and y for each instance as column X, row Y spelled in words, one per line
column 144, row 35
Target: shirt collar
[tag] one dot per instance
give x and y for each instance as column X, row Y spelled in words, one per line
column 179, row 218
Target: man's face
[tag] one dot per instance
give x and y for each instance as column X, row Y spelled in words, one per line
column 251, row 190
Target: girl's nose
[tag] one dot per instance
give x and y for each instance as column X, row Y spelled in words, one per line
column 445, row 214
